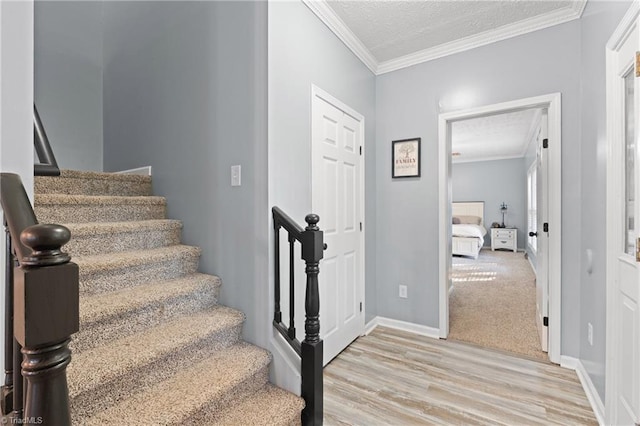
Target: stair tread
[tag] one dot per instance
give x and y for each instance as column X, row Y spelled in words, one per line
column 97, row 200
column 174, row 400
column 93, row 228
column 269, row 406
column 96, row 307
column 88, row 174
column 93, row 183
column 108, row 261
column 98, row 365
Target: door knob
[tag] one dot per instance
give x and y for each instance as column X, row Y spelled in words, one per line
column 533, row 234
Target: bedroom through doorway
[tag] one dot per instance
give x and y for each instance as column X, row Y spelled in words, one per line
column 494, row 299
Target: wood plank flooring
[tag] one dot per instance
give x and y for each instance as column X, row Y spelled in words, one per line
column 392, row 377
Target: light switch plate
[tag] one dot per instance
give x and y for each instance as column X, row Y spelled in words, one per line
column 236, row 175
column 402, row 291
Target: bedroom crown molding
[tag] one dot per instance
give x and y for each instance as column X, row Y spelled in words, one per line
column 459, row 160
column 327, row 15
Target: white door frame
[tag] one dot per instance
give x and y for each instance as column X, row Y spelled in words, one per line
column 318, row 92
column 615, row 220
column 553, row 103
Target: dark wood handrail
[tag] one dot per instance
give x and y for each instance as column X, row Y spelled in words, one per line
column 48, row 165
column 44, row 285
column 17, row 209
column 310, row 349
column 281, row 219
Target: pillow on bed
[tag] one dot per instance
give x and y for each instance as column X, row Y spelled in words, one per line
column 455, row 220
column 471, row 220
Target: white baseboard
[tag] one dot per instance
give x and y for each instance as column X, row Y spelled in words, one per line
column 589, row 389
column 285, row 367
column 533, row 268
column 370, row 326
column 144, row 171
column 410, row 327
column 568, row 362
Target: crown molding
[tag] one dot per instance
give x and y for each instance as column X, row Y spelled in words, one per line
column 502, row 33
column 326, row 14
column 458, row 160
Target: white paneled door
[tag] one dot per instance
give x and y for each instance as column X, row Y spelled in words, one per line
column 337, row 197
column 623, row 187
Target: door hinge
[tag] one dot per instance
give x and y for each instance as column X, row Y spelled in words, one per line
column 545, row 321
column 360, row 226
column 360, row 306
column 545, row 143
column 545, row 227
column 361, row 150
column 637, row 64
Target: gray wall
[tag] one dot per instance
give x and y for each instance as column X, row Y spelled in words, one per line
column 16, row 108
column 68, row 80
column 598, row 23
column 494, row 182
column 302, row 52
column 185, row 92
column 407, row 102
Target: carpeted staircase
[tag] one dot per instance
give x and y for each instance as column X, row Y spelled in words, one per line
column 154, row 347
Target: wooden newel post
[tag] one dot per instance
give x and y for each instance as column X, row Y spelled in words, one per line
column 312, row 388
column 46, row 315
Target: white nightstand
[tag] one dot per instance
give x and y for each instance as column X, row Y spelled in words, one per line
column 506, row 238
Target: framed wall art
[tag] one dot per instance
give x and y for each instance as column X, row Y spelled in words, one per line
column 405, row 158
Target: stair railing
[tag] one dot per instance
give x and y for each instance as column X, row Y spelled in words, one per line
column 310, row 350
column 48, row 165
column 43, row 285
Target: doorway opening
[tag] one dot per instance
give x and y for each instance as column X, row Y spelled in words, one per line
column 493, row 299
column 549, row 252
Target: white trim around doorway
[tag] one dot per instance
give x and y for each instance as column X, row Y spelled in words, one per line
column 614, row 216
column 553, row 103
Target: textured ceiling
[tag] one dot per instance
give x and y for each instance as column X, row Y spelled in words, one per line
column 390, row 29
column 493, row 137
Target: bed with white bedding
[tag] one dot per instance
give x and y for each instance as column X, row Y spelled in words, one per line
column 468, row 231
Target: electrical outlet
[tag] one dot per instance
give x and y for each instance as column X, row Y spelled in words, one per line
column 590, row 333
column 402, row 291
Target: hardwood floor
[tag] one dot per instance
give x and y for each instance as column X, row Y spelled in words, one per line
column 392, row 377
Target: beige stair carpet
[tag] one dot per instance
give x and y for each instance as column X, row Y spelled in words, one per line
column 493, row 303
column 154, row 346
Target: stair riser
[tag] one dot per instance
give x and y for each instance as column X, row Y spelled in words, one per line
column 207, row 414
column 127, row 323
column 89, row 245
column 103, row 395
column 120, row 278
column 87, row 186
column 106, row 213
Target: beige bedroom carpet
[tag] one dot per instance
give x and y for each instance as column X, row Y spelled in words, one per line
column 493, row 303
